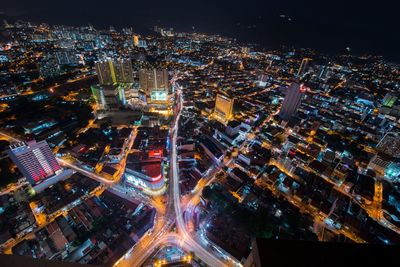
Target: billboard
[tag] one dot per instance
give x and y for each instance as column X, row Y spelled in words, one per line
column 159, row 95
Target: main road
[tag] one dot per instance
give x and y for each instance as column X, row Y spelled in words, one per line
column 205, row 255
column 161, row 234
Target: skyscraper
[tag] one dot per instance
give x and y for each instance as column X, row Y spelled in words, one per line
column 223, row 108
column 111, row 71
column 152, row 80
column 123, row 70
column 105, row 71
column 136, row 40
column 292, row 101
column 35, row 160
column 303, row 67
column 98, row 95
column 109, row 96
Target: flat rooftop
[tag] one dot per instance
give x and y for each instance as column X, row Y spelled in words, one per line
column 272, row 252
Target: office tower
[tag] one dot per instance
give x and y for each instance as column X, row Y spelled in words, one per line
column 35, row 160
column 123, row 70
column 292, row 101
column 152, row 79
column 98, row 95
column 136, row 40
column 108, row 97
column 105, row 71
column 111, row 71
column 223, row 108
column 303, row 67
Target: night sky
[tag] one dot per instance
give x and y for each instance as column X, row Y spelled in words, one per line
column 329, row 26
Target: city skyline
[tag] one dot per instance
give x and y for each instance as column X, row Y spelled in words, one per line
column 362, row 27
column 174, row 146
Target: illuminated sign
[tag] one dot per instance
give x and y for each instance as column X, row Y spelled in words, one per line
column 157, row 178
column 135, row 181
column 155, row 153
column 159, row 95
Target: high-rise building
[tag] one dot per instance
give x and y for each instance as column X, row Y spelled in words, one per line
column 35, row 160
column 105, row 71
column 123, row 70
column 109, row 96
column 122, row 94
column 111, row 71
column 136, row 40
column 292, row 101
column 153, row 80
column 303, row 67
column 223, row 108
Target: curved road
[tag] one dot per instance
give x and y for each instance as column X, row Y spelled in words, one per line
column 161, row 233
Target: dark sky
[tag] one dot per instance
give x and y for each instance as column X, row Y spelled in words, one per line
column 325, row 25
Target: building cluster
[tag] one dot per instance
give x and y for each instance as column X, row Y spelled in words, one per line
column 298, row 144
column 122, row 87
column 286, row 122
column 71, row 222
column 145, row 166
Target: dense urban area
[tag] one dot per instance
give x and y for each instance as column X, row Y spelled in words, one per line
column 127, row 149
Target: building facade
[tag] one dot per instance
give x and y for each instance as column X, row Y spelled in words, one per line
column 153, row 79
column 109, row 97
column 223, row 110
column 110, row 71
column 35, row 160
column 291, row 101
column 145, row 171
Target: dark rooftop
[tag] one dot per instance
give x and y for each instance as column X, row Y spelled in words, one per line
column 305, row 253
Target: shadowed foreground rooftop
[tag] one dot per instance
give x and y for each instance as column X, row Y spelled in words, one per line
column 268, row 252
